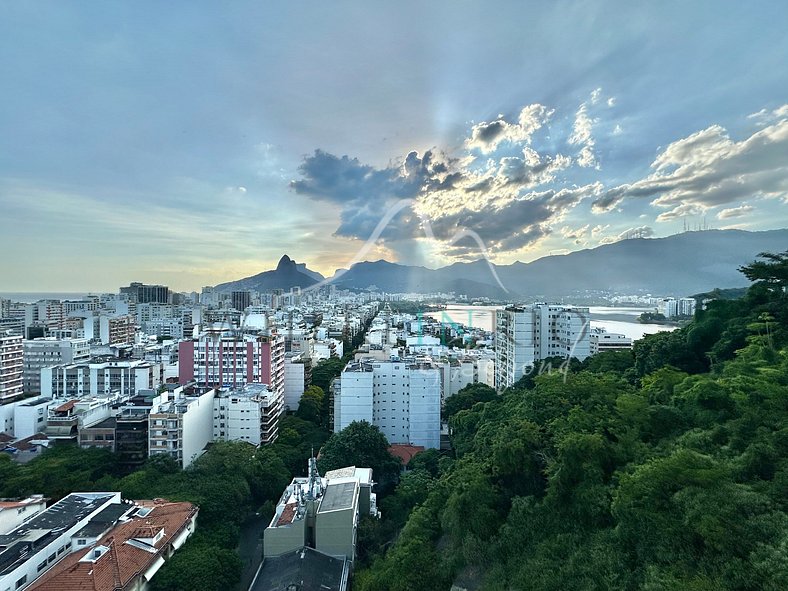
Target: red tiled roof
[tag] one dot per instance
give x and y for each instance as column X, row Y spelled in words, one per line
column 67, row 405
column 405, row 452
column 27, row 442
column 287, row 515
column 122, row 564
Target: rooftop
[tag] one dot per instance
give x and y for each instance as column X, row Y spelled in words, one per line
column 126, row 552
column 35, row 533
column 338, row 496
column 305, row 569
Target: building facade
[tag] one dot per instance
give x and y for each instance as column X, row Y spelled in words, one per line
column 11, row 367
column 250, row 413
column 46, row 352
column 402, row 398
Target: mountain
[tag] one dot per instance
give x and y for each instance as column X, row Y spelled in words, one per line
column 681, row 264
column 287, row 274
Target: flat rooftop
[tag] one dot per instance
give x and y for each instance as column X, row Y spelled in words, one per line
column 338, row 495
column 37, row 532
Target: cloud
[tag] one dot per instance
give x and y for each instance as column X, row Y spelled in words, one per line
column 581, row 136
column 735, row 212
column 707, row 170
column 487, row 136
column 765, row 116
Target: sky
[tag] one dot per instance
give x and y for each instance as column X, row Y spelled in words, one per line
column 191, row 143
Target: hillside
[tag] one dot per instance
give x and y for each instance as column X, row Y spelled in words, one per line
column 287, row 274
column 680, row 264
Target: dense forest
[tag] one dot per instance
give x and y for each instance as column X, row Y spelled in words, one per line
column 662, row 468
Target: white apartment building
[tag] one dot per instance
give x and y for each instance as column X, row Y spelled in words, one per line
column 600, row 340
column 459, row 372
column 11, row 367
column 673, row 307
column 46, row 352
column 296, row 370
column 100, row 376
column 181, row 425
column 402, row 398
column 250, row 413
column 515, row 349
column 109, row 329
column 327, row 348
column 527, row 334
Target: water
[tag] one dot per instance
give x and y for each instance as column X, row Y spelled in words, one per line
column 30, row 297
column 613, row 319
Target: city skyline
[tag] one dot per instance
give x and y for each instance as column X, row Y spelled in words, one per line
column 197, row 147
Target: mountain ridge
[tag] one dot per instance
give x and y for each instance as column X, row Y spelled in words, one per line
column 685, row 263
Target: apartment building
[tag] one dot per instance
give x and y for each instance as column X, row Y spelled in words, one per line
column 46, row 352
column 249, row 413
column 11, row 367
column 100, row 375
column 181, row 425
column 527, row 334
column 402, row 398
column 221, row 358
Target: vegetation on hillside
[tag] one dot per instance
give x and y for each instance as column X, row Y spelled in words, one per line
column 658, row 469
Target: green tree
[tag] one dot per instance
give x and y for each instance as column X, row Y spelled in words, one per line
column 360, row 444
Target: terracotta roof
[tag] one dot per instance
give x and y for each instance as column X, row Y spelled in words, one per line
column 67, row 405
column 27, row 443
column 287, row 515
column 5, row 437
column 121, row 565
column 405, row 452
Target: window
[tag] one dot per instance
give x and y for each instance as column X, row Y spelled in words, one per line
column 81, row 542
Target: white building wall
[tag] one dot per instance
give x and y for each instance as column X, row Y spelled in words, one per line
column 294, row 383
column 30, row 417
column 425, row 409
column 354, row 402
column 197, row 427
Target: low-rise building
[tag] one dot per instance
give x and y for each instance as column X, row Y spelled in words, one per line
column 36, row 545
column 100, row 375
column 316, row 520
column 14, row 511
column 123, row 547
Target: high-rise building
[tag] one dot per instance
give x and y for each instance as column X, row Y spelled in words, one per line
column 100, row 376
column 143, row 293
column 527, row 334
column 402, row 398
column 223, row 359
column 47, row 352
column 250, row 413
column 181, row 425
column 11, row 367
column 241, row 300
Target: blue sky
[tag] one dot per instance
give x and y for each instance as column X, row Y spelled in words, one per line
column 192, row 144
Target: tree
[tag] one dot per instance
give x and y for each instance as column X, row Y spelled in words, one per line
column 360, row 444
column 772, row 272
column 466, row 398
column 310, row 407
